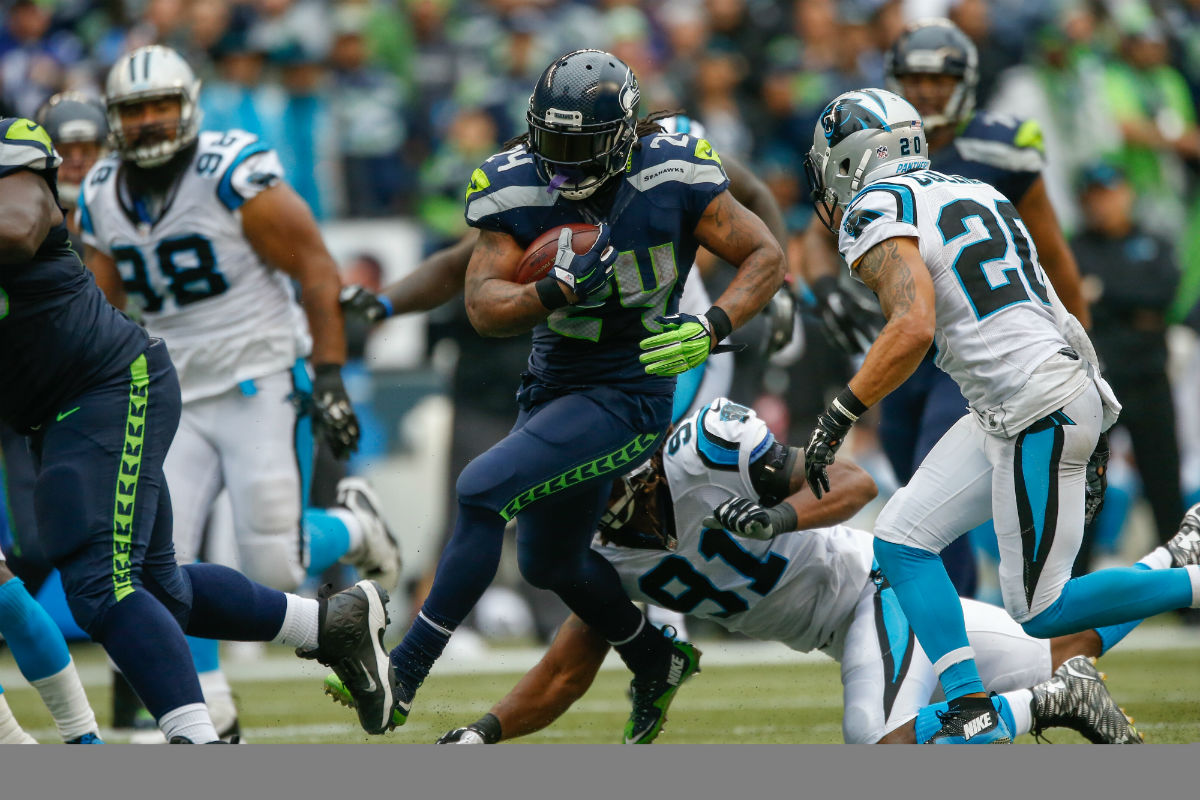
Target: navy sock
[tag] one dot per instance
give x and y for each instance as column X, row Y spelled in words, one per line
column 147, row 645
column 420, row 648
column 228, row 605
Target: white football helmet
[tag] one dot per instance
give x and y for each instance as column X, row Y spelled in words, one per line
column 861, row 137
column 143, row 74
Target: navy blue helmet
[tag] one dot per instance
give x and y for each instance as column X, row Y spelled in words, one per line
column 937, row 47
column 583, row 120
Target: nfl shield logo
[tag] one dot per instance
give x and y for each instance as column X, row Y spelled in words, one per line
column 881, row 151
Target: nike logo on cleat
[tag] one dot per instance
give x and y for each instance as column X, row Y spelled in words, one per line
column 676, row 671
column 976, row 726
column 371, row 684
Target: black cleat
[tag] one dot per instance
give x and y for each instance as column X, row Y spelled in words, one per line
column 1077, row 698
column 971, row 720
column 350, row 642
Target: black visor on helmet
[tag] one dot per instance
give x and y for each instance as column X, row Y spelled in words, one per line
column 589, row 151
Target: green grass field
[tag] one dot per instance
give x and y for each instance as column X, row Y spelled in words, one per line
column 772, row 703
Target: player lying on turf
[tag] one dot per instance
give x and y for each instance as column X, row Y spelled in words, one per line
column 782, row 577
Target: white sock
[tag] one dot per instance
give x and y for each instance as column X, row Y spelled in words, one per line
column 1158, row 558
column 353, row 527
column 299, row 627
column 11, row 731
column 1018, row 703
column 63, row 694
column 191, row 722
column 1194, row 573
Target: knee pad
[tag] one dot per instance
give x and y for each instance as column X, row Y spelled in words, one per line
column 173, row 589
column 540, row 572
column 859, row 726
column 482, row 480
column 270, row 539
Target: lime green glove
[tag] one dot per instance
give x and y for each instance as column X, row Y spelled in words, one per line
column 686, row 342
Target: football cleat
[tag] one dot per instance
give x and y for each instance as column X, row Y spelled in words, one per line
column 971, row 720
column 1184, row 546
column 340, row 694
column 350, row 642
column 87, row 738
column 653, row 692
column 1077, row 698
column 378, row 558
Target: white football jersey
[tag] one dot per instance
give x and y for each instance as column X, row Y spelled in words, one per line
column 799, row 588
column 997, row 316
column 225, row 316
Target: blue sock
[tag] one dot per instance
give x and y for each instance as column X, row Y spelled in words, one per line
column 1112, row 597
column 146, row 644
column 229, row 606
column 931, row 604
column 328, row 539
column 206, row 653
column 927, row 723
column 36, row 643
column 686, row 386
column 420, row 648
column 1111, row 634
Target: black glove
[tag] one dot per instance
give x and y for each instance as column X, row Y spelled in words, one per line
column 827, row 437
column 484, row 731
column 362, row 302
column 747, row 518
column 588, row 273
column 1096, row 481
column 333, row 416
column 849, row 321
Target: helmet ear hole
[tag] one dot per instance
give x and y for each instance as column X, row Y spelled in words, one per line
column 844, row 167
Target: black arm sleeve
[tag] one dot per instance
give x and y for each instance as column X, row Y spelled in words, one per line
column 771, row 474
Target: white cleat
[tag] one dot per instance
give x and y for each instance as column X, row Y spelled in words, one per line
column 1184, row 546
column 378, row 558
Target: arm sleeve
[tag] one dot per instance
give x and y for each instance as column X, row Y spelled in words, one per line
column 880, row 212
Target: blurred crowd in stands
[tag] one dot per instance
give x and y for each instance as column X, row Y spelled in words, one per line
column 382, row 108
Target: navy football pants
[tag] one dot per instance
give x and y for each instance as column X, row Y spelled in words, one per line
column 913, row 419
column 554, row 473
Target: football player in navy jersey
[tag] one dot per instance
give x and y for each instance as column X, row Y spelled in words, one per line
column 934, row 65
column 607, row 343
column 100, row 402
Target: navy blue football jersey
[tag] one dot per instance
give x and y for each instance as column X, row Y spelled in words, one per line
column 997, row 149
column 653, row 209
column 58, row 334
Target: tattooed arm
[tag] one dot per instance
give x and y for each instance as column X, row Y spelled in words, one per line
column 730, row 231
column 496, row 305
column 895, row 271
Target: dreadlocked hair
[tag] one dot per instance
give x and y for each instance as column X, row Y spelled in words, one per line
column 644, row 527
column 646, row 126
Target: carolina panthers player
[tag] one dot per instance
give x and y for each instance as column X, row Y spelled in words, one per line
column 202, row 233
column 99, row 400
column 720, row 524
column 934, row 66
column 590, row 406
column 951, row 263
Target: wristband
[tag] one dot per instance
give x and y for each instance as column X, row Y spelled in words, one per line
column 847, row 405
column 550, row 293
column 721, row 326
column 388, row 309
column 489, row 727
column 785, row 517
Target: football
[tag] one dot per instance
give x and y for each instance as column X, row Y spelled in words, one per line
column 539, row 256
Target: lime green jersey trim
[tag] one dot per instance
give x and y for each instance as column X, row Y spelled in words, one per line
column 128, row 476
column 597, row 468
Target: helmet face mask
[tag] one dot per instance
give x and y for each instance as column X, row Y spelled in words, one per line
column 937, row 47
column 634, row 516
column 862, row 137
column 144, row 76
column 582, row 121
